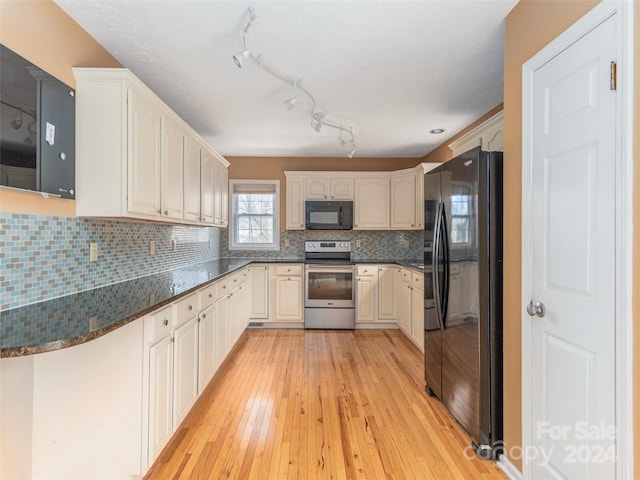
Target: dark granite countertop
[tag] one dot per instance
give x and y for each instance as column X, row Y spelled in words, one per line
column 85, row 316
column 82, row 317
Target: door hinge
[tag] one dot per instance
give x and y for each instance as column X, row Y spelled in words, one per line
column 613, row 85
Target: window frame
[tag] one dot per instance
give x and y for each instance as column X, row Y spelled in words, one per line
column 234, row 216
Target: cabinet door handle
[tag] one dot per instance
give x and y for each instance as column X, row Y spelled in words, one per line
column 189, row 308
column 166, row 322
column 166, row 212
column 204, row 315
column 210, row 295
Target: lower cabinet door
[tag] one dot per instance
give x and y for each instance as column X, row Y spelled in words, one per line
column 207, row 336
column 222, row 319
column 160, row 395
column 289, row 298
column 417, row 316
column 404, row 307
column 185, row 361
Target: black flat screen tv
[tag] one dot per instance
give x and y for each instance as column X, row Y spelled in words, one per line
column 37, row 128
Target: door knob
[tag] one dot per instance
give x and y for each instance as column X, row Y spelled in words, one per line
column 537, row 309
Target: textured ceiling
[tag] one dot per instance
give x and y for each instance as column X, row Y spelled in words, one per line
column 394, row 70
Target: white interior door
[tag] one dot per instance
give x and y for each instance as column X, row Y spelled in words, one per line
column 571, row 354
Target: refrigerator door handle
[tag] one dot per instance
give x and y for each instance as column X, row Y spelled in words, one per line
column 445, row 245
column 436, row 273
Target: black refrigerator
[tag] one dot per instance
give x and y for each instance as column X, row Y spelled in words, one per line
column 463, row 263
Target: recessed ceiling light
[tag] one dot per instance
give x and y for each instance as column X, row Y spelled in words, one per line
column 437, row 131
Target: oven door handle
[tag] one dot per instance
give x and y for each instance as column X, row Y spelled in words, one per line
column 331, row 270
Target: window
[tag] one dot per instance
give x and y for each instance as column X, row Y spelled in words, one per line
column 461, row 207
column 254, row 215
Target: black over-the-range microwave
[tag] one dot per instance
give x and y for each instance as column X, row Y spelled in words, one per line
column 328, row 215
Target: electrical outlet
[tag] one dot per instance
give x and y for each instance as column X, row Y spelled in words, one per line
column 358, row 243
column 406, row 244
column 152, row 247
column 286, row 242
column 93, row 252
column 152, row 299
column 174, row 245
column 93, row 324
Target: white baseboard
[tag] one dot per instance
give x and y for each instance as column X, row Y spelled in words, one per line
column 509, row 468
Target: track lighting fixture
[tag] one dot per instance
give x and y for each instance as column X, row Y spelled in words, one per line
column 31, row 137
column 317, row 118
column 16, row 123
column 240, row 55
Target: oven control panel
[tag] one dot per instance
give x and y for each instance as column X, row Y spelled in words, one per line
column 327, row 246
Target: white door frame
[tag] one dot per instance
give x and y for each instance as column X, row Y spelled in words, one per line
column 624, row 219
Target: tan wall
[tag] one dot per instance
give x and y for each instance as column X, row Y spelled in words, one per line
column 42, row 33
column 273, row 168
column 530, row 26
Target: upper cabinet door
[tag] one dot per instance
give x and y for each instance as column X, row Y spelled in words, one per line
column 317, row 188
column 403, row 201
column 207, row 186
column 295, row 203
column 341, row 188
column 192, row 180
column 172, row 152
column 371, row 203
column 144, row 155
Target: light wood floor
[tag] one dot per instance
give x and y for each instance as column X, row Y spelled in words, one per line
column 302, row 404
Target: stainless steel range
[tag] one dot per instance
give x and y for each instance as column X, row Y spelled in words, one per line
column 329, row 296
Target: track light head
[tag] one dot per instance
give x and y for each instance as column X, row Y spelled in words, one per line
column 290, row 102
column 238, row 57
column 352, row 152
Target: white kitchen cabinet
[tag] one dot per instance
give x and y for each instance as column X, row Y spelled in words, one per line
column 288, row 292
column 222, row 324
column 144, row 120
column 244, row 306
column 130, row 153
column 317, row 188
column 341, row 188
column 403, row 201
column 387, row 293
column 259, row 304
column 371, row 203
column 417, row 310
column 404, row 307
column 366, row 292
column 328, row 187
column 185, row 368
column 172, row 165
column 207, row 186
column 221, row 196
column 185, row 356
column 192, row 180
column 295, row 214
column 206, row 347
column 158, row 372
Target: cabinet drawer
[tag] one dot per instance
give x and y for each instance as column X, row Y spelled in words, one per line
column 226, row 285
column 291, row 270
column 243, row 275
column 417, row 279
column 208, row 296
column 366, row 270
column 187, row 308
column 405, row 275
column 158, row 324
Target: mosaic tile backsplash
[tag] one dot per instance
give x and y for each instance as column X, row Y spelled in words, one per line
column 45, row 257
column 374, row 245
